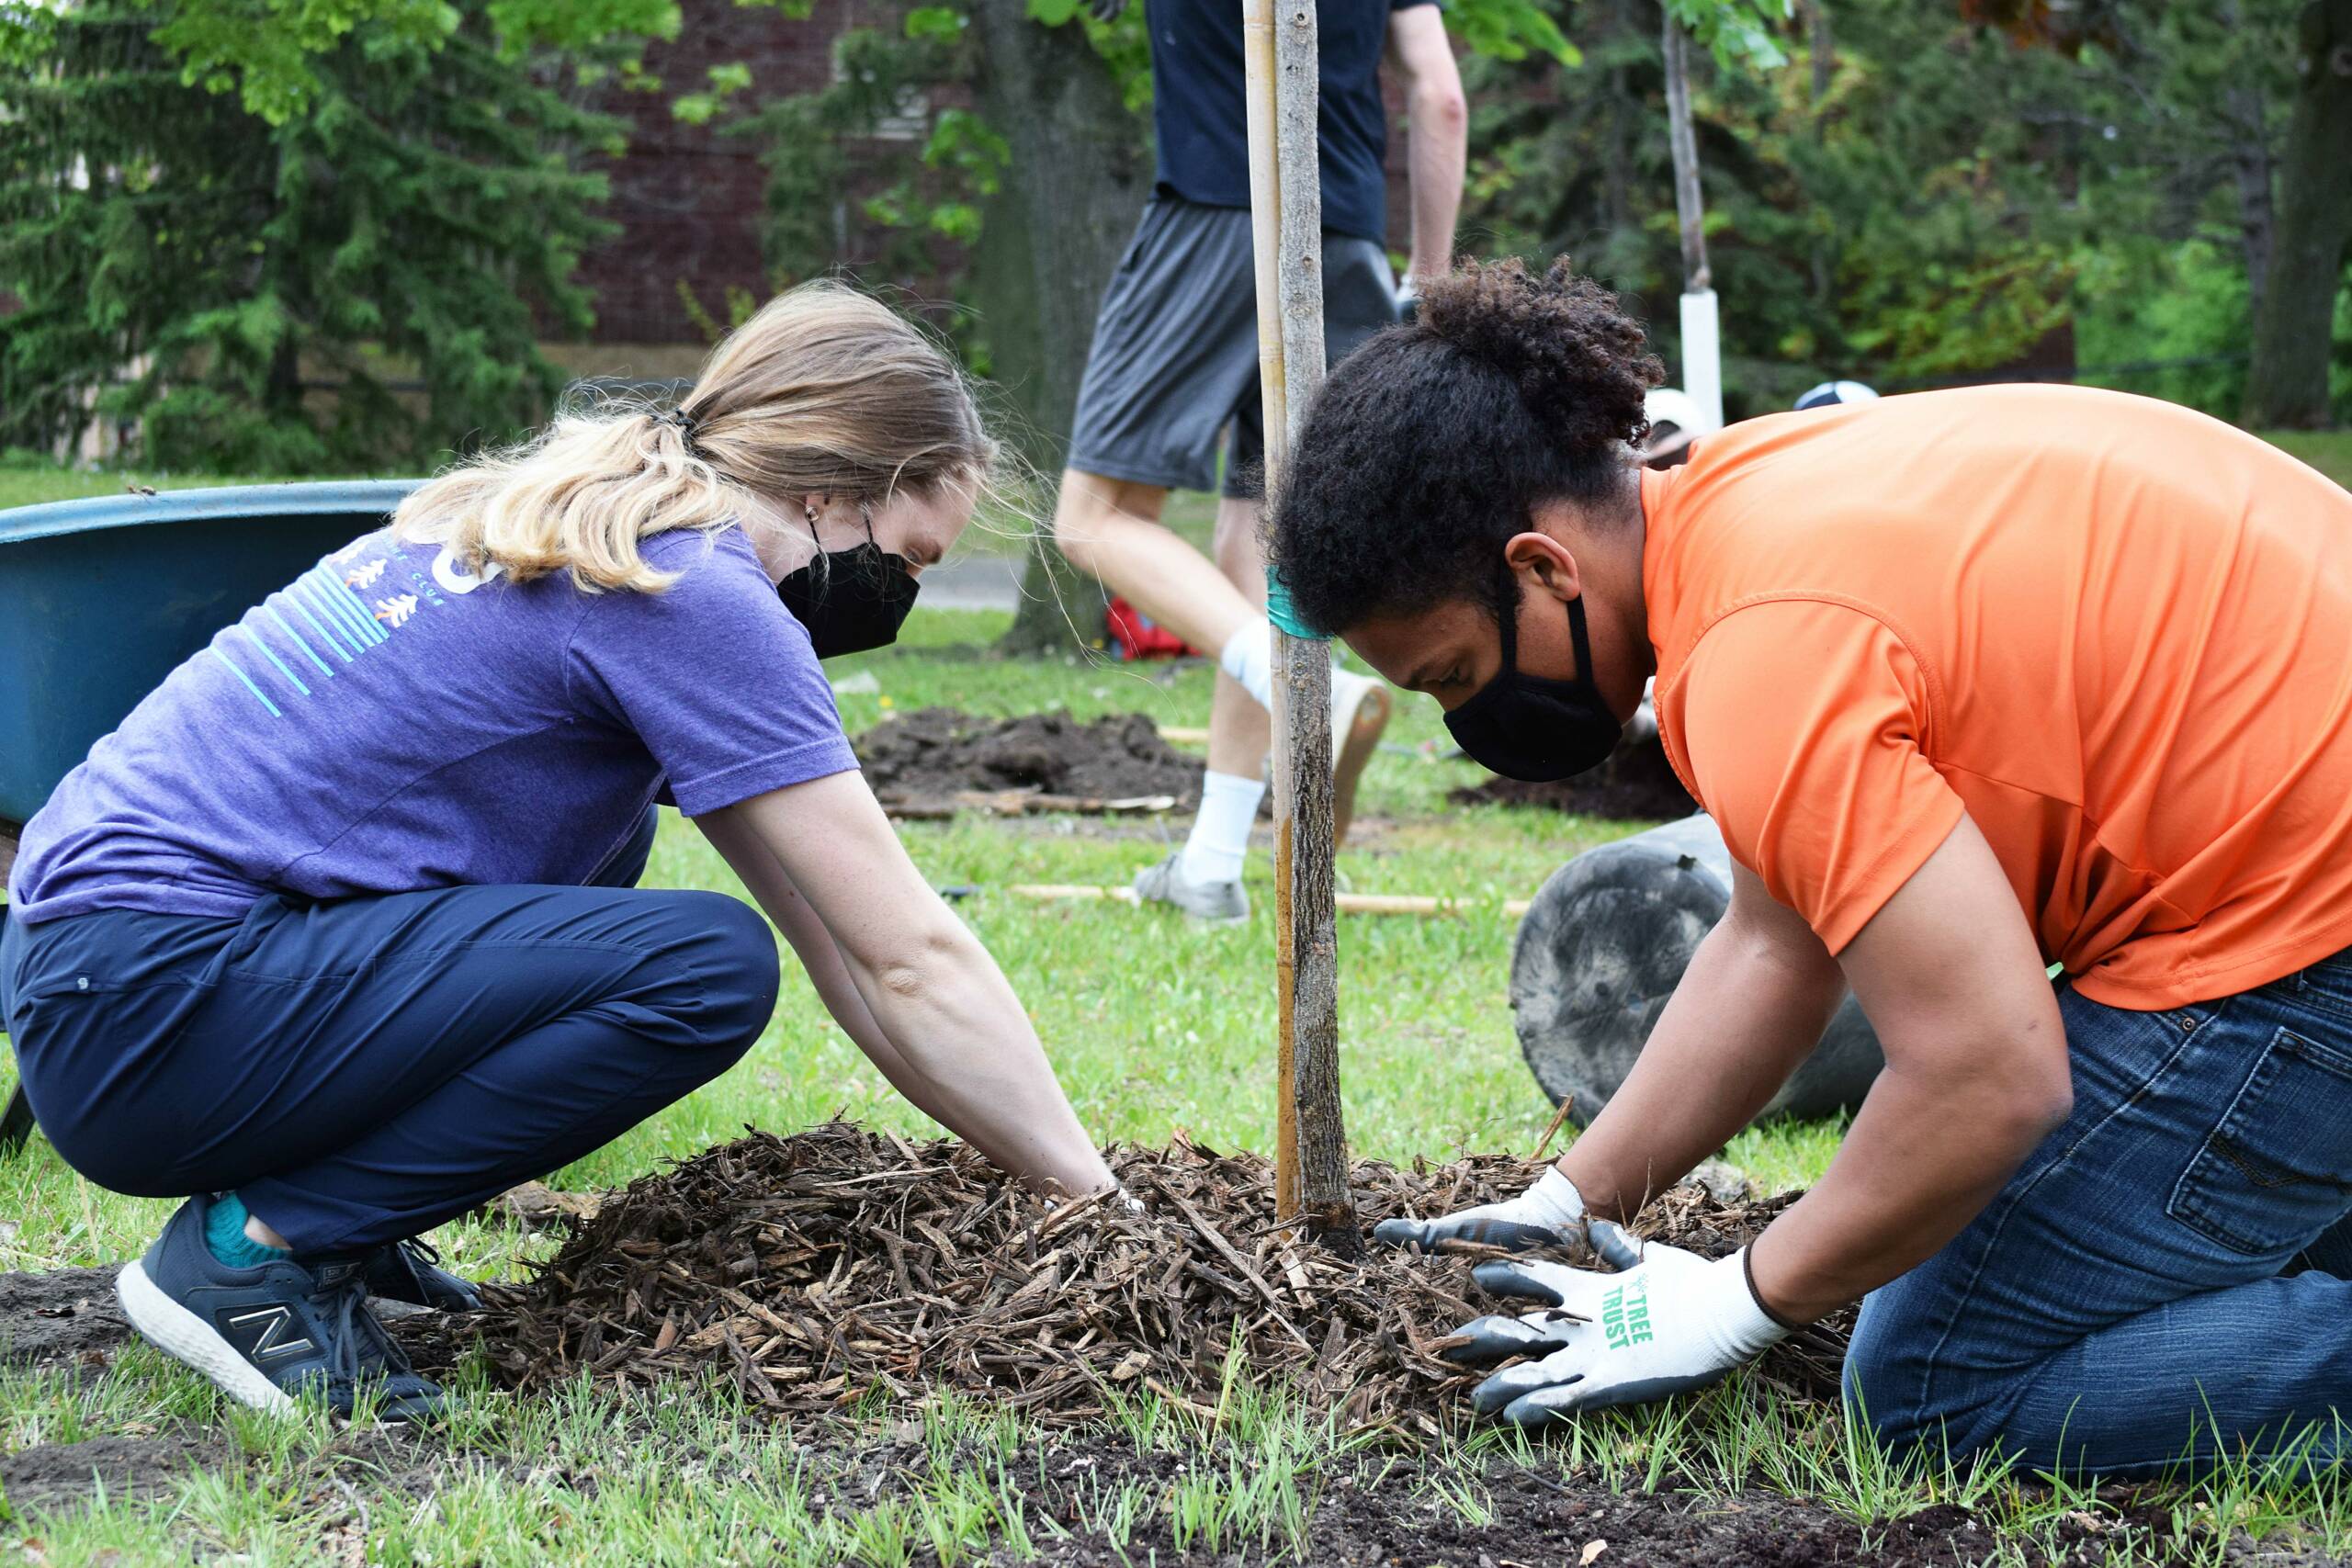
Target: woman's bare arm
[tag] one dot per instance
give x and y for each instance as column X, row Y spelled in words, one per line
column 764, row 877
column 932, row 991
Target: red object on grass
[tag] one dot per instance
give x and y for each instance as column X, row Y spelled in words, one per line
column 1137, row 635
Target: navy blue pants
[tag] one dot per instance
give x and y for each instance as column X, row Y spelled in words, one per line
column 363, row 1070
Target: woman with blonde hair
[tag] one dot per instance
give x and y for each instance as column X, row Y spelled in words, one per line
column 338, row 932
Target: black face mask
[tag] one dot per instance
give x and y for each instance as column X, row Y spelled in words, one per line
column 1524, row 727
column 856, row 599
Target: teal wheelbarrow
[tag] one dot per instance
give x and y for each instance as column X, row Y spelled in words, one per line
column 101, row 599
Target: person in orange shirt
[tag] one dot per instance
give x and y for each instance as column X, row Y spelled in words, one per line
column 1975, row 683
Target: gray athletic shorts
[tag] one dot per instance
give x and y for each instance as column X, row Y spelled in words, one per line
column 1175, row 357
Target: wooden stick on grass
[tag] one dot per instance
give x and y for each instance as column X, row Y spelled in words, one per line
column 1420, row 903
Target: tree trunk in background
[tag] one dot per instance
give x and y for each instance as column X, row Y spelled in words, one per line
column 1618, row 176
column 2250, row 168
column 2287, row 384
column 1821, row 44
column 1687, row 207
column 1080, row 167
column 2243, row 113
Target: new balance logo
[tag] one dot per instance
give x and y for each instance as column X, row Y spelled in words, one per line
column 262, row 1334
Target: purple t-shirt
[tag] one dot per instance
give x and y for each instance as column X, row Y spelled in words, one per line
column 388, row 723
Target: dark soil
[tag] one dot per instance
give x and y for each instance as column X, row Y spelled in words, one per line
column 1636, row 783
column 54, row 1475
column 70, row 1315
column 815, row 1270
column 938, row 753
column 1380, row 1509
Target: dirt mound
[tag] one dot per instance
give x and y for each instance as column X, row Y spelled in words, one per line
column 937, row 753
column 816, row 1268
column 1636, row 782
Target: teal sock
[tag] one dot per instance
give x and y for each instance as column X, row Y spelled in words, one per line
column 224, row 1235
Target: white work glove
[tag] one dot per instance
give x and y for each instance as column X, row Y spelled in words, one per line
column 1671, row 1323
column 1550, row 1214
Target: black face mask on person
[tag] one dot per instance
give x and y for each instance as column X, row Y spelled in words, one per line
column 853, row 599
column 1524, row 727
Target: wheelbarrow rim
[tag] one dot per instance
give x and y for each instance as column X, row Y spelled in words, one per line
column 295, row 499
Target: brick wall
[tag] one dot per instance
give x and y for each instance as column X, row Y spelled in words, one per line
column 688, row 197
column 689, row 200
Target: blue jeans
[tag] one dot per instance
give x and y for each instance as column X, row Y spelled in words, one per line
column 2169, row 1276
column 363, row 1070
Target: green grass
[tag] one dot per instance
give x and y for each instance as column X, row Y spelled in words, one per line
column 1153, row 1025
column 2329, row 451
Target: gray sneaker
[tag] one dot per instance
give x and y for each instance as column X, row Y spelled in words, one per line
column 1221, row 902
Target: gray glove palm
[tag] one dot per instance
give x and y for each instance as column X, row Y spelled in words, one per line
column 1550, row 1214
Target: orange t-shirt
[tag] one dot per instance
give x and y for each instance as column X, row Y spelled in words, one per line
column 2116, row 632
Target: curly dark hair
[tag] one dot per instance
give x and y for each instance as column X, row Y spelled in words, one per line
column 1435, row 441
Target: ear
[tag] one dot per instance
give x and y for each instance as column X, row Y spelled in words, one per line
column 1545, row 563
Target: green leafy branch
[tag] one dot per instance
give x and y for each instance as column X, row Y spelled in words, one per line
column 1738, row 32
column 268, row 52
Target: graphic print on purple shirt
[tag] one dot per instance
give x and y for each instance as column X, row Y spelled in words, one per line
column 389, row 722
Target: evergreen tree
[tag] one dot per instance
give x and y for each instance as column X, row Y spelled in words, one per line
column 357, row 279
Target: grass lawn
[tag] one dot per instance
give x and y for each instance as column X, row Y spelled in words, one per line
column 2329, row 451
column 1153, row 1025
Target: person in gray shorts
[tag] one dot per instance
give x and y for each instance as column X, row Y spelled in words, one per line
column 1173, row 372
column 1173, row 369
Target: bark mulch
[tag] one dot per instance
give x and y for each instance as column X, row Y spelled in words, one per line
column 819, row 1269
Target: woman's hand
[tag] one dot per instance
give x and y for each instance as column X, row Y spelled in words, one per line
column 922, row 998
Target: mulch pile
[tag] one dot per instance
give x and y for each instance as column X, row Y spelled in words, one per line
column 937, row 754
column 816, row 1268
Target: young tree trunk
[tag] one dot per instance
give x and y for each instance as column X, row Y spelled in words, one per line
column 1080, row 168
column 2287, row 384
column 1286, row 207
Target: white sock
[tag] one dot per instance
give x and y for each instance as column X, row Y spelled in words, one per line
column 1249, row 658
column 1221, row 832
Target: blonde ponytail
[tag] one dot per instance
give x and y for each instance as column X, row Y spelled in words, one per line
column 824, row 393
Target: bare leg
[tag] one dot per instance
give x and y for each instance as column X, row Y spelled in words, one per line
column 1109, row 529
column 1240, row 730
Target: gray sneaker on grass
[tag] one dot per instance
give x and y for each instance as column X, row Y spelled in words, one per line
column 1223, row 902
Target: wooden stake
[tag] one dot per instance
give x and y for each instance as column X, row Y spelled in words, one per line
column 1417, row 904
column 1279, row 48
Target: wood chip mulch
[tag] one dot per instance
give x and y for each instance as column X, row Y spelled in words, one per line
column 821, row 1269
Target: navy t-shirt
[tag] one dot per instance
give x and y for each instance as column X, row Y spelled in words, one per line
column 1202, row 116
